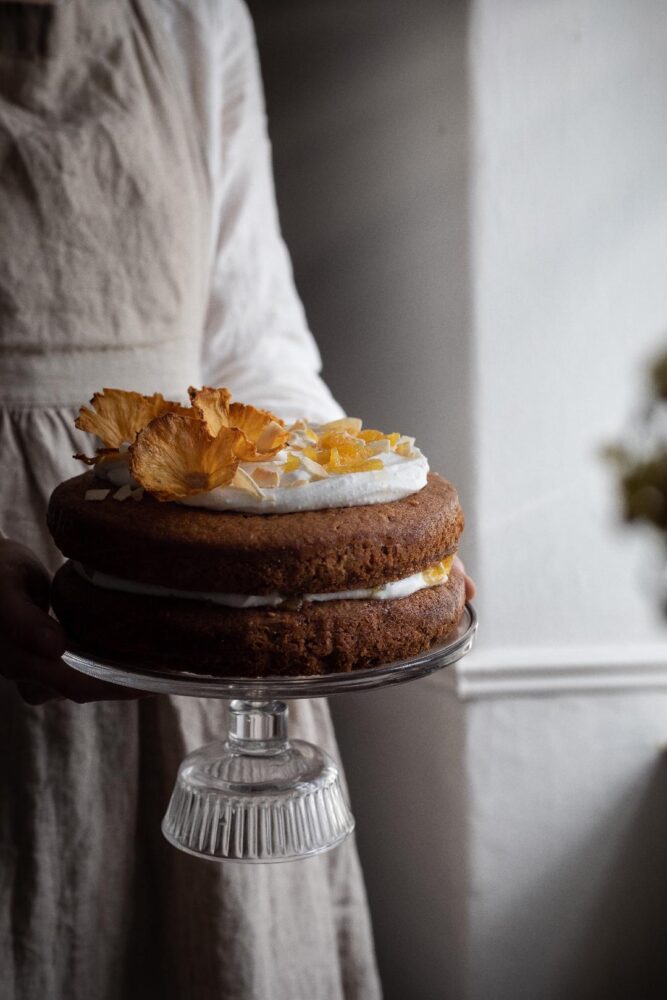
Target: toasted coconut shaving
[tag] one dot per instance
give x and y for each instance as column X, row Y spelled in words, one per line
column 176, row 456
column 243, row 481
column 123, row 492
column 212, row 405
column 117, row 416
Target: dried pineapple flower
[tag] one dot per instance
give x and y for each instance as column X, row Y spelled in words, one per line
column 118, row 416
column 212, row 405
column 265, row 434
column 175, row 456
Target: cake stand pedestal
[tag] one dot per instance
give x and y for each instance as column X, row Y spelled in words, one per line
column 257, row 795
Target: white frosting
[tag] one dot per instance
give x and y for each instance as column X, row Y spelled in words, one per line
column 399, row 477
column 387, row 592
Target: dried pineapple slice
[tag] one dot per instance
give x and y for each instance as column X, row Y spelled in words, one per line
column 175, row 456
column 117, row 416
column 212, row 405
column 265, row 433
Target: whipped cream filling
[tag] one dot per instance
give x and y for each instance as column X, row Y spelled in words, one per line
column 386, row 592
column 399, row 477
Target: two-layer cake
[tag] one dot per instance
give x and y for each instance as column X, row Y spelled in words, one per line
column 218, row 539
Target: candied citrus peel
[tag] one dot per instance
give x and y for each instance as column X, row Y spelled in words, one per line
column 176, row 457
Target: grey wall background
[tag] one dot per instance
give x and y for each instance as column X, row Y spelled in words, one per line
column 368, row 115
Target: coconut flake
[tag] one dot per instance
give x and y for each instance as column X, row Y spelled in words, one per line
column 316, row 470
column 243, row 481
column 123, row 493
column 96, row 494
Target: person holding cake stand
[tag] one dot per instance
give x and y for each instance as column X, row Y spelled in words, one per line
column 141, row 248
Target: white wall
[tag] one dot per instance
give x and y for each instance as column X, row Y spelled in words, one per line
column 566, row 787
column 570, row 247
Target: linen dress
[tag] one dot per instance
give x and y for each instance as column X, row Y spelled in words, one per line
column 140, row 248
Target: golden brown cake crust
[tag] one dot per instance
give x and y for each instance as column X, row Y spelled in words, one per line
column 317, row 638
column 306, row 552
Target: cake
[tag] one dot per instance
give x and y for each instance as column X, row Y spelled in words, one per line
column 217, row 539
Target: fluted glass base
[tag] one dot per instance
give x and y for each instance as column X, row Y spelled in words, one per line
column 257, row 796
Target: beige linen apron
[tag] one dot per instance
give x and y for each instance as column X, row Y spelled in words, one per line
column 103, row 247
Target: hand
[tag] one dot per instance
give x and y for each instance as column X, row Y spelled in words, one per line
column 33, row 642
column 471, row 589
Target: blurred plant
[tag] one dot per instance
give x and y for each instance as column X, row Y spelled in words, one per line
column 642, row 461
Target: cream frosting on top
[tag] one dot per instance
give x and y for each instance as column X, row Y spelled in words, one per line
column 291, row 481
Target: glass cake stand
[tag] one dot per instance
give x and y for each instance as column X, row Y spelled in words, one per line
column 258, row 796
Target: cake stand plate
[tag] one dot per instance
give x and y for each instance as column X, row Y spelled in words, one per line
column 258, row 796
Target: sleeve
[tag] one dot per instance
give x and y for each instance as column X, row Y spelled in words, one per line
column 256, row 339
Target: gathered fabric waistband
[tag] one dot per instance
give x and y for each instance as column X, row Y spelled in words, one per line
column 69, row 378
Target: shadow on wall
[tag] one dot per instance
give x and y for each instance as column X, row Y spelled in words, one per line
column 622, row 954
column 368, row 115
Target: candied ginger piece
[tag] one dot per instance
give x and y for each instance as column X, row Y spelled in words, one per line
column 346, row 456
column 350, row 424
column 293, row 462
column 371, row 435
column 336, row 439
column 439, row 572
column 319, row 455
column 369, row 465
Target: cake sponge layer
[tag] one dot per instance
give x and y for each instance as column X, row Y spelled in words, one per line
column 315, row 552
column 315, row 638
